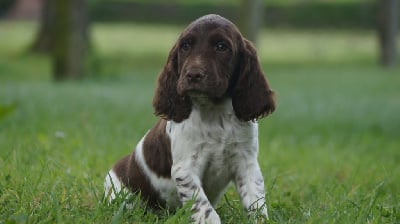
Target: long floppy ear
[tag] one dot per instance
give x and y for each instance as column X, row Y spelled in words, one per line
column 166, row 102
column 252, row 97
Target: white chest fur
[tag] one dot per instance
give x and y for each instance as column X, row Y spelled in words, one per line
column 210, row 142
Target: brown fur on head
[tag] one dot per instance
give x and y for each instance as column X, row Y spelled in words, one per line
column 212, row 60
column 252, row 97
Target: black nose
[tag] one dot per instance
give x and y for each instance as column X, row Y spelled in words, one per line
column 195, row 76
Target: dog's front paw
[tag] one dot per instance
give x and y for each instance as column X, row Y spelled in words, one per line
column 206, row 216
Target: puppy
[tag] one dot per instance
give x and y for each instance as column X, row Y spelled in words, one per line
column 209, row 96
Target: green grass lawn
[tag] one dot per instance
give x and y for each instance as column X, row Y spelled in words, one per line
column 329, row 154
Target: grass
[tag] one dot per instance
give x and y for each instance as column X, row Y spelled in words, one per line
column 329, row 154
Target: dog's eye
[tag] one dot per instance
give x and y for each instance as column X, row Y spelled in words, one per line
column 221, row 46
column 185, row 45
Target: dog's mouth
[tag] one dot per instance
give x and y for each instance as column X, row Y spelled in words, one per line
column 201, row 98
column 192, row 90
column 196, row 94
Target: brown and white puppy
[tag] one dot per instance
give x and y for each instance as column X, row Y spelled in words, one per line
column 209, row 96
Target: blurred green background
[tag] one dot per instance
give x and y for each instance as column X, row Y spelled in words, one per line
column 76, row 96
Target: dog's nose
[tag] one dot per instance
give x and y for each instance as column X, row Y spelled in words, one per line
column 195, row 76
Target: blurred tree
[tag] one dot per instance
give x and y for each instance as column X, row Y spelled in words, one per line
column 387, row 31
column 64, row 35
column 70, row 39
column 42, row 42
column 252, row 13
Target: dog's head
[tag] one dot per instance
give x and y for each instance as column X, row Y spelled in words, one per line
column 211, row 59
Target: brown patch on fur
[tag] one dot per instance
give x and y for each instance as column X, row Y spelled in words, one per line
column 157, row 156
column 132, row 176
column 157, row 150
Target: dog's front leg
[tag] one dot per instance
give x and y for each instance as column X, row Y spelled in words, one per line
column 188, row 187
column 249, row 183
